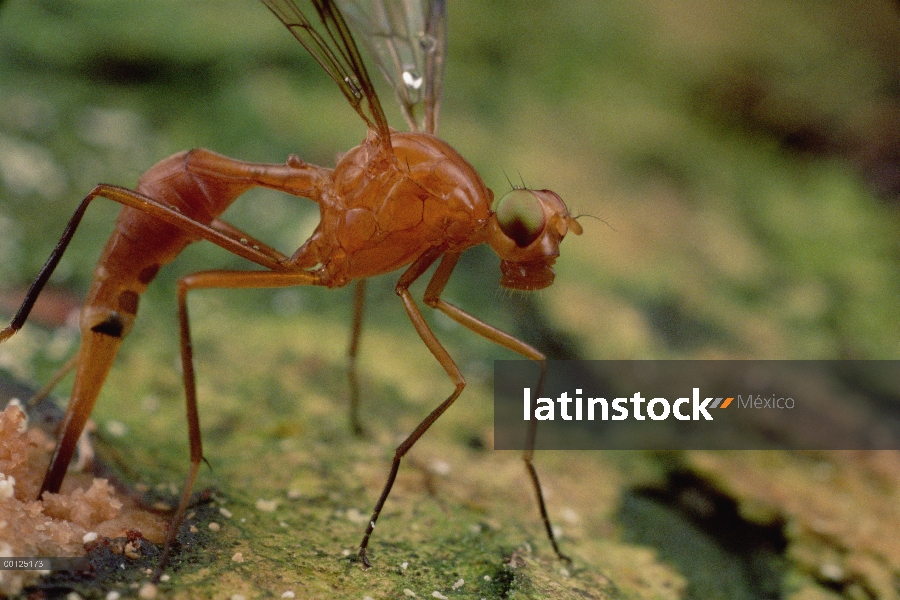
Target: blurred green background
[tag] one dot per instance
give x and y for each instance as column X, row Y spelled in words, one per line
column 741, row 158
column 737, row 165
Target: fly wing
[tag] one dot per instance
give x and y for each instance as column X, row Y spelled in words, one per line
column 408, row 39
column 328, row 39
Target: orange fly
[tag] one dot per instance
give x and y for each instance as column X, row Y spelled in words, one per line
column 398, row 200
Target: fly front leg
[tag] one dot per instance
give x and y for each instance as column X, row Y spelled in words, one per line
column 440, row 353
column 433, row 299
column 216, row 280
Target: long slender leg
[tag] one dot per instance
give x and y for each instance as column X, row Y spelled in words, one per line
column 236, row 234
column 258, row 253
column 359, row 304
column 46, row 271
column 443, row 357
column 433, row 299
column 206, row 280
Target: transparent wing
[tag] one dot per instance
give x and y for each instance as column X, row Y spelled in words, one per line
column 329, row 41
column 408, row 39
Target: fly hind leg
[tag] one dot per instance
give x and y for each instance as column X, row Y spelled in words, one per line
column 294, row 177
column 220, row 234
column 99, row 346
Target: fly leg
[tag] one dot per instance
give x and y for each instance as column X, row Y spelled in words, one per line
column 95, row 357
column 440, row 353
column 54, row 381
column 433, row 299
column 151, row 207
column 84, row 448
column 85, row 451
column 359, row 301
column 207, row 280
column 104, row 328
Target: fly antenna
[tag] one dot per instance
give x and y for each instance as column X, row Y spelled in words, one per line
column 508, row 180
column 601, row 219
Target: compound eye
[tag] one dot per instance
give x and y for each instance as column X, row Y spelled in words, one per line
column 520, row 216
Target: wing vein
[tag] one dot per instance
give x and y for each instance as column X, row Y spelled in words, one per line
column 336, row 52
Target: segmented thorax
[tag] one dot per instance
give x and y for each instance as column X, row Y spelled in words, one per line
column 383, row 211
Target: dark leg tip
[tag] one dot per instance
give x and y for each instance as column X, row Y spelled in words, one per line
column 157, row 575
column 51, row 484
column 363, row 561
